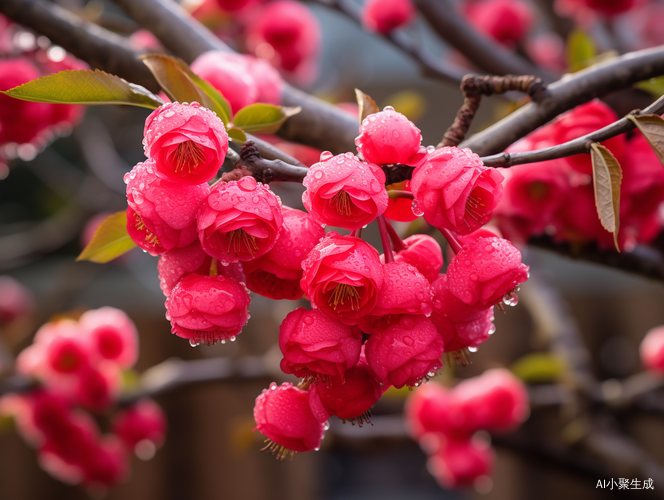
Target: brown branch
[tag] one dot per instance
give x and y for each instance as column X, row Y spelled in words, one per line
column 575, row 146
column 266, row 171
column 319, row 124
column 643, row 260
column 474, row 87
column 614, row 74
column 431, row 66
column 488, row 55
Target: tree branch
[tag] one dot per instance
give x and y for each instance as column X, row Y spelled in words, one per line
column 319, row 124
column 570, row 91
column 487, row 55
column 431, row 66
column 575, row 146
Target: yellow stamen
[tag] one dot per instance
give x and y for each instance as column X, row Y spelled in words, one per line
column 342, row 203
column 240, row 241
column 472, row 206
column 188, row 155
column 343, row 292
column 150, row 237
column 281, row 451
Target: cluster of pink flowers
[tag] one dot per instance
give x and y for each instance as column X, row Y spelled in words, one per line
column 557, row 198
column 26, row 126
column 384, row 320
column 445, row 421
column 375, row 321
column 77, row 367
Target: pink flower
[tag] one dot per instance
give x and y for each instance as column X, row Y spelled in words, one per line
column 460, row 462
column 384, row 16
column 455, row 190
column 389, row 137
column 404, row 291
column 400, row 209
column 583, row 120
column 21, row 121
column 166, row 208
column 434, row 409
column 350, row 400
column 496, row 401
column 287, row 35
column 341, row 277
column 652, row 351
column 98, row 387
column 533, row 193
column 106, row 466
column 317, row 346
column 283, row 415
column 142, row 421
column 459, row 324
column 112, row 335
column 208, row 309
column 141, row 235
column 606, row 7
column 344, row 192
column 506, row 21
column 423, row 253
column 242, row 80
column 239, row 221
column 482, row 273
column 277, row 274
column 187, row 142
column 17, row 300
column 406, row 352
column 179, row 262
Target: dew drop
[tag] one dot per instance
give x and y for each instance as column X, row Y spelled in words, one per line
column 318, row 174
column 193, row 343
column 273, row 385
column 492, row 330
column 415, row 207
column 326, row 155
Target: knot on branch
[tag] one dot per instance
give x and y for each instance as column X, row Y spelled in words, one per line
column 475, row 86
column 249, row 152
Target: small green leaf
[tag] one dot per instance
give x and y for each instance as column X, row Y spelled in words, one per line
column 109, row 241
column 237, row 135
column 607, row 176
column 85, row 86
column 652, row 128
column 580, row 49
column 182, row 85
column 366, row 104
column 654, row 86
column 538, row 367
column 263, row 118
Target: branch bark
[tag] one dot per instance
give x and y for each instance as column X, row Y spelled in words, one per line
column 320, row 124
column 575, row 146
column 566, row 93
column 431, row 66
column 486, row 54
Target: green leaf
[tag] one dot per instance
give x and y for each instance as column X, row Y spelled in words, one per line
column 85, row 86
column 538, row 367
column 109, row 241
column 607, row 176
column 182, row 85
column 580, row 49
column 263, row 118
column 237, row 135
column 654, row 86
column 366, row 104
column 652, row 128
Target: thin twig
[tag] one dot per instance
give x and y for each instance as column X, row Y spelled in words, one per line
column 474, row 87
column 575, row 146
column 431, row 66
column 486, row 54
column 614, row 74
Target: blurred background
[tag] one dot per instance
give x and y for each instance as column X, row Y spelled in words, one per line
column 49, row 195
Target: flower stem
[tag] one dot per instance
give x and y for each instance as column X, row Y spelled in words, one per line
column 451, row 240
column 397, row 242
column 385, row 239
